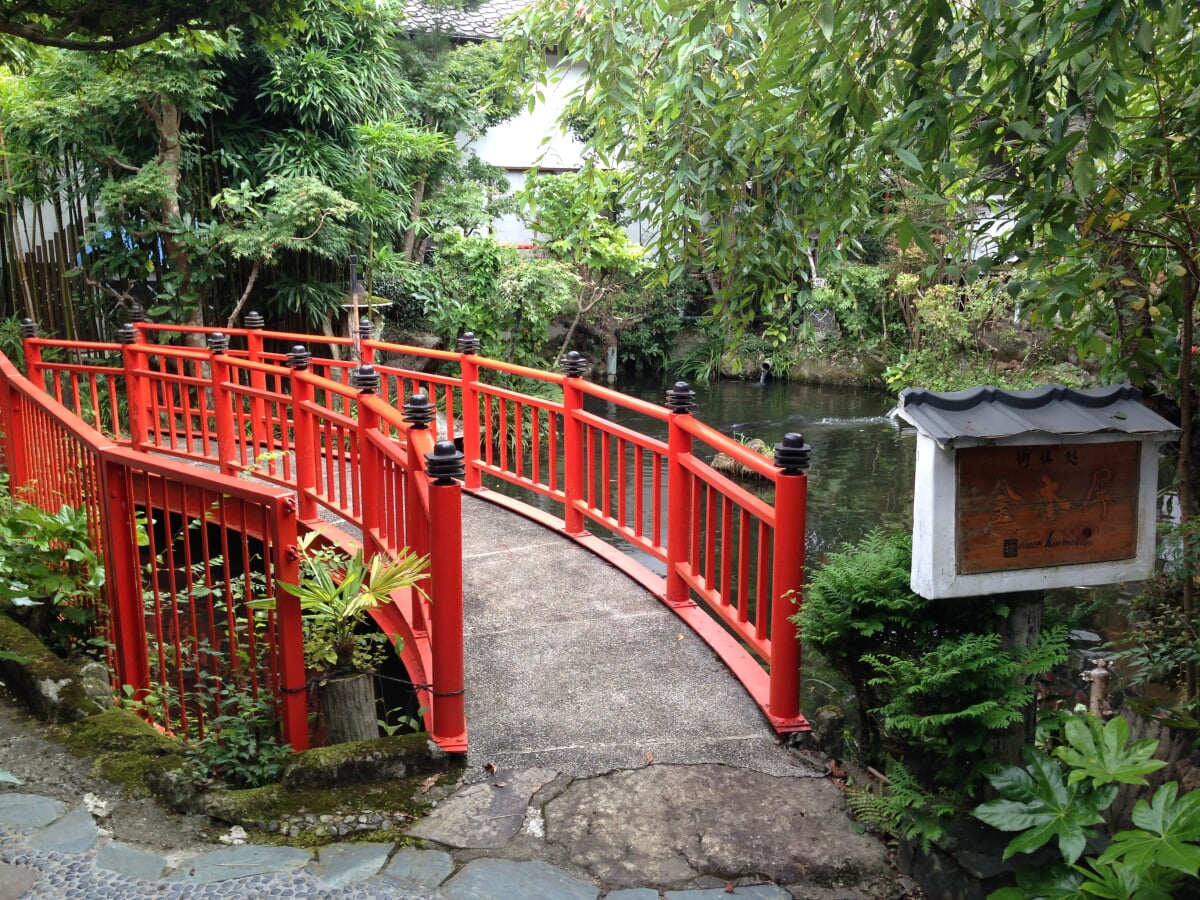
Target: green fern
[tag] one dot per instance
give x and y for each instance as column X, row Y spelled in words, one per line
column 904, row 809
column 932, row 679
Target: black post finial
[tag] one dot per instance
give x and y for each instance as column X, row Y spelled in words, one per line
column 218, row 342
column 573, row 365
column 299, row 357
column 366, row 328
column 28, row 328
column 681, row 398
column 468, row 343
column 445, row 463
column 254, row 320
column 366, row 379
column 792, row 455
column 127, row 334
column 418, row 411
column 137, row 313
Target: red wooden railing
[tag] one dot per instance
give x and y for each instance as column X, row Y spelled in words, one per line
column 725, row 560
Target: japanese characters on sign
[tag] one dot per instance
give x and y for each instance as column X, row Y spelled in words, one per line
column 1029, row 506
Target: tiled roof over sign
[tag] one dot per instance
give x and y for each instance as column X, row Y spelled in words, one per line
column 477, row 22
column 981, row 414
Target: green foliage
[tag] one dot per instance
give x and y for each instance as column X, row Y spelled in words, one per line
column 240, row 747
column 1061, row 797
column 932, row 681
column 285, row 154
column 859, row 299
column 904, row 809
column 687, row 102
column 579, row 220
column 657, row 313
column 701, row 362
column 1159, row 642
column 945, row 353
column 1043, row 805
column 477, row 285
column 336, row 592
column 954, row 691
column 11, row 343
column 578, row 217
column 50, row 575
column 116, row 24
column 298, row 214
column 1052, row 138
column 1101, row 753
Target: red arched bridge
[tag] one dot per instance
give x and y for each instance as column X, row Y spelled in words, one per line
column 363, row 450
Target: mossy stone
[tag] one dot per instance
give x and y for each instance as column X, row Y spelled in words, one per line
column 356, row 762
column 48, row 685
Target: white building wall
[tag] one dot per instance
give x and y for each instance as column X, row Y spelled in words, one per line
column 533, row 140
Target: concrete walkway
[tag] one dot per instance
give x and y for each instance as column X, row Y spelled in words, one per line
column 612, row 755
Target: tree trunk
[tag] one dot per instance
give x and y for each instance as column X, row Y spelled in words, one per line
column 1186, row 501
column 348, row 708
column 414, row 213
column 1020, row 629
column 168, row 122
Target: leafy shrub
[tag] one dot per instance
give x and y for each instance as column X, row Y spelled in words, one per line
column 474, row 284
column 701, row 362
column 657, row 311
column 50, row 575
column 402, row 289
column 858, row 297
column 240, row 747
column 932, row 681
column 944, row 353
column 1159, row 642
column 11, row 343
column 1060, row 796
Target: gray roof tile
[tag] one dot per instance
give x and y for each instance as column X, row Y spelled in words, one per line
column 477, row 22
column 981, row 414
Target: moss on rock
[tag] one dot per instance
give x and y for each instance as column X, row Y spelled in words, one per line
column 273, row 814
column 118, row 730
column 49, row 686
column 382, row 759
column 128, row 751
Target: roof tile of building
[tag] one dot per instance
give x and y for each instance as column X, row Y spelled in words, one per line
column 476, row 23
column 985, row 413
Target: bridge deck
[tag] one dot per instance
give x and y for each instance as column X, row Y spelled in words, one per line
column 572, row 666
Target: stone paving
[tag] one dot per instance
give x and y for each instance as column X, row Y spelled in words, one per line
column 612, row 836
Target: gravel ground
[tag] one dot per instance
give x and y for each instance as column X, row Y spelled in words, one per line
column 48, row 769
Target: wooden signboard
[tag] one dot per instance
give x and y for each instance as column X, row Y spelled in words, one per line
column 1030, row 506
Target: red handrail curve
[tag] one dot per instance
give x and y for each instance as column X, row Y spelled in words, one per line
column 725, row 560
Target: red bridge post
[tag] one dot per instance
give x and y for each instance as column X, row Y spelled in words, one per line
column 218, row 344
column 303, row 440
column 573, row 366
column 12, row 407
column 681, row 400
column 791, row 497
column 122, row 582
column 445, row 465
column 33, row 354
column 289, row 631
column 468, row 347
column 262, row 435
column 129, row 336
column 370, row 463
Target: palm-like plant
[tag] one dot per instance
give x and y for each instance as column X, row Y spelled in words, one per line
column 336, row 592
